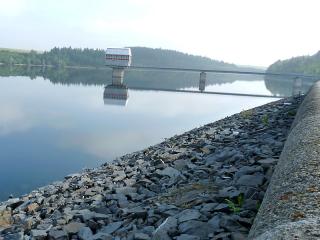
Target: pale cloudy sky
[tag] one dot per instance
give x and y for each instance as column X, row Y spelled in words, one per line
column 249, row 32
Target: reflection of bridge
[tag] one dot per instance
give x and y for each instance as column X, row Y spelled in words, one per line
column 204, row 92
column 227, row 72
column 117, row 92
column 118, row 74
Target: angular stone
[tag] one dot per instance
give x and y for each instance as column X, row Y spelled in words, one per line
column 219, row 157
column 5, row 218
column 126, row 190
column 84, row 214
column 197, row 228
column 229, row 192
column 38, row 234
column 208, row 207
column 238, row 236
column 268, row 162
column 215, row 222
column 102, row 236
column 31, row 208
column 14, row 236
column 222, row 207
column 169, row 225
column 111, row 227
column 188, row 214
column 73, row 227
column 85, row 233
column 73, row 175
column 119, row 175
column 251, row 180
column 58, row 235
column 13, row 203
column 187, row 237
column 141, row 236
column 170, row 172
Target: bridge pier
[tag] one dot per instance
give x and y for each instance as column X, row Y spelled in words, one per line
column 202, row 81
column 117, row 75
column 297, row 86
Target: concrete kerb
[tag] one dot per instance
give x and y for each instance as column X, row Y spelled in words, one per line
column 291, row 206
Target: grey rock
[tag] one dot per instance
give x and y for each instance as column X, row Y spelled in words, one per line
column 119, row 175
column 141, row 236
column 268, row 162
column 13, row 203
column 73, row 227
column 251, row 180
column 220, row 156
column 73, row 175
column 168, row 226
column 223, row 235
column 248, row 170
column 187, row 237
column 215, row 222
column 170, row 172
column 38, row 234
column 58, row 235
column 84, row 214
column 13, row 236
column 208, row 207
column 188, row 214
column 222, row 207
column 250, row 204
column 238, row 236
column 229, row 223
column 126, row 190
column 148, row 230
column 102, row 236
column 85, row 233
column 138, row 212
column 111, row 227
column 228, row 192
column 197, row 228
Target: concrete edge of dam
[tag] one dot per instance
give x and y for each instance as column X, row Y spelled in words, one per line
column 291, row 206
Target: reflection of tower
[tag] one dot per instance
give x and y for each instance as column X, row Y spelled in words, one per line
column 202, row 81
column 116, row 94
column 296, row 86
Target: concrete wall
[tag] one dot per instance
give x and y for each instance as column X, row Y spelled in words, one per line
column 291, row 207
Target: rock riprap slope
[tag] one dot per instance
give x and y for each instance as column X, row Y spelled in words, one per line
column 207, row 183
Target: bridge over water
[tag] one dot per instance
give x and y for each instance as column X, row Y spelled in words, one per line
column 118, row 90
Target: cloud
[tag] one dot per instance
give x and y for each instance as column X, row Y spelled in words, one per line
column 13, row 119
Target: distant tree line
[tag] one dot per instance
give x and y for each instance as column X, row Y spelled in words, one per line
column 67, row 56
column 303, row 65
column 57, row 57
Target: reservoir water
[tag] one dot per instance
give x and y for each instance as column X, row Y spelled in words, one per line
column 56, row 122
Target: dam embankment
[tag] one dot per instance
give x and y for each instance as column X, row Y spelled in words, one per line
column 207, row 183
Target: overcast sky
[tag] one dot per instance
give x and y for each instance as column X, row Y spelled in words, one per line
column 248, row 32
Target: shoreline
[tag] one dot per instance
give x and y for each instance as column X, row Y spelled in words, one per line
column 206, row 183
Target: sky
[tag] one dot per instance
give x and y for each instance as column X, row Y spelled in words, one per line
column 246, row 32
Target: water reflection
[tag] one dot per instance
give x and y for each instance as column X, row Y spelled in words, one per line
column 277, row 86
column 116, row 94
column 53, row 121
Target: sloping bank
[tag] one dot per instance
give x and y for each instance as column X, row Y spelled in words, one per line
column 207, row 183
column 291, row 207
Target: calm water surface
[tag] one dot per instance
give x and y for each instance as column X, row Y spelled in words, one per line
column 54, row 126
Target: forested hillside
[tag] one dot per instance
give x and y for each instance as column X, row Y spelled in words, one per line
column 303, row 64
column 60, row 57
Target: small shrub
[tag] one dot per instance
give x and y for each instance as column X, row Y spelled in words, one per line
column 246, row 113
column 265, row 119
column 235, row 207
